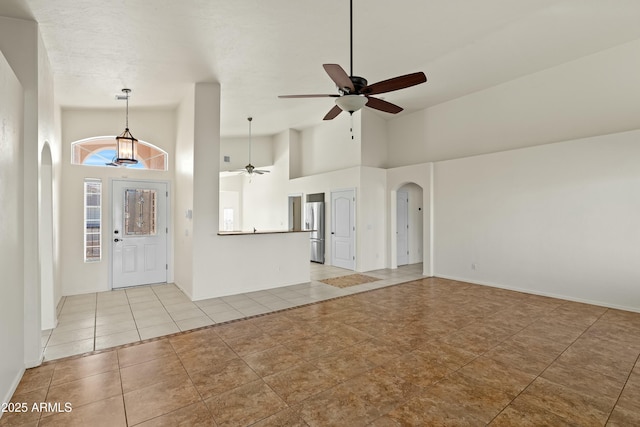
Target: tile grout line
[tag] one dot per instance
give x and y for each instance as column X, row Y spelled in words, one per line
column 164, row 308
column 309, row 301
column 623, row 386
column 95, row 323
column 134, row 318
column 190, row 380
column 551, row 363
column 124, row 403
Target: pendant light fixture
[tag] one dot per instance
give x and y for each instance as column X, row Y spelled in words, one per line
column 126, row 144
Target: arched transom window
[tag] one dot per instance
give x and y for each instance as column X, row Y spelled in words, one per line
column 101, row 151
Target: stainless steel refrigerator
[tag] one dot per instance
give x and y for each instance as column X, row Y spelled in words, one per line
column 314, row 220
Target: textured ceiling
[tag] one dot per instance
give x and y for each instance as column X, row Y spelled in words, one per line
column 258, row 50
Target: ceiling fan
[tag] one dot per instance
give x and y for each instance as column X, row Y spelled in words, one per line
column 114, row 162
column 354, row 92
column 250, row 169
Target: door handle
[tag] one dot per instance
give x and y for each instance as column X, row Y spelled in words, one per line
column 117, row 240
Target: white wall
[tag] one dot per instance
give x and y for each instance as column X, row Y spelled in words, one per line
column 156, row 126
column 371, row 220
column 329, row 147
column 295, row 154
column 12, row 329
column 374, row 139
column 19, row 44
column 183, row 226
column 22, row 47
column 238, row 151
column 594, row 95
column 265, row 197
column 219, row 263
column 559, row 220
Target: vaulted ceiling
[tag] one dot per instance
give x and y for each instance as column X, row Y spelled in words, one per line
column 258, row 50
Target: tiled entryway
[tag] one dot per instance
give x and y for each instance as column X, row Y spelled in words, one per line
column 102, row 320
column 427, row 352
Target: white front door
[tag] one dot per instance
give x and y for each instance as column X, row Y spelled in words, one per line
column 139, row 233
column 402, row 227
column 343, row 229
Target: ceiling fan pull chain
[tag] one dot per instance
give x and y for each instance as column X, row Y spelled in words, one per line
column 352, row 138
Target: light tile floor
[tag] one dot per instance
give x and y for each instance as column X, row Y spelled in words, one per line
column 102, row 320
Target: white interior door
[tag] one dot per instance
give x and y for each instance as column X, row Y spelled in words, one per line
column 343, row 229
column 139, row 233
column 402, row 227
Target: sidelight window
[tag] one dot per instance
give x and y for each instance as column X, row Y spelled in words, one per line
column 92, row 220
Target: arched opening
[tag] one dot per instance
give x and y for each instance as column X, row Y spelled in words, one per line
column 407, row 225
column 101, row 151
column 45, row 218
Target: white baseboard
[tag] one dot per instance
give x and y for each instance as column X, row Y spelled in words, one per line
column 542, row 294
column 12, row 389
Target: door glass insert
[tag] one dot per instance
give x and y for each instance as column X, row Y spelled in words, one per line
column 140, row 212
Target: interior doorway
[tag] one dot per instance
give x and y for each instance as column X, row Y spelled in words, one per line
column 140, row 233
column 343, row 229
column 402, row 227
column 409, row 225
column 48, row 316
column 295, row 212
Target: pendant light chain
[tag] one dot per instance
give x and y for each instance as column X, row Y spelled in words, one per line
column 250, row 119
column 127, row 91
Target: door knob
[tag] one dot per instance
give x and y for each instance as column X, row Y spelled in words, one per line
column 116, row 240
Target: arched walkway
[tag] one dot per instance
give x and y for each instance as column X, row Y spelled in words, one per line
column 45, row 236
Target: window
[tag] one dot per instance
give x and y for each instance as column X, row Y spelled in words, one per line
column 92, row 220
column 227, row 216
column 101, row 151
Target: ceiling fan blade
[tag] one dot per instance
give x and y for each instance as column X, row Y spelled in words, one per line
column 340, row 77
column 395, row 83
column 333, row 113
column 309, row 96
column 379, row 104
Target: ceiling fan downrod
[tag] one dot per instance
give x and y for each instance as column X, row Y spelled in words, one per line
column 351, row 37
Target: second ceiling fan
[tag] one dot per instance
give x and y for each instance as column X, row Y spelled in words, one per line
column 354, row 92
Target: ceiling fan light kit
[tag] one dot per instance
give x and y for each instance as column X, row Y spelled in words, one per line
column 351, row 103
column 354, row 92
